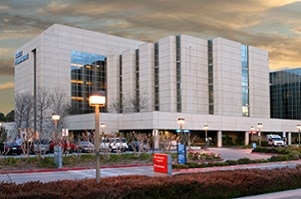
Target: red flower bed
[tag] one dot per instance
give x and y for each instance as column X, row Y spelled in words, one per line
column 217, row 184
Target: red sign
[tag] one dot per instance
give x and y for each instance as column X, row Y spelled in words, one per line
column 160, row 163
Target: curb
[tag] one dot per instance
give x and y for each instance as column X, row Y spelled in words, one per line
column 68, row 169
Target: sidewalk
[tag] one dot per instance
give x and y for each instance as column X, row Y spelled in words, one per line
column 290, row 194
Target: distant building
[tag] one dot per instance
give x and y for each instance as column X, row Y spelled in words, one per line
column 220, row 83
column 285, row 91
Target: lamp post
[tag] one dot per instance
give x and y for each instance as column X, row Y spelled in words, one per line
column 102, row 126
column 58, row 159
column 206, row 137
column 252, row 132
column 181, row 147
column 259, row 126
column 299, row 129
column 181, row 122
column 55, row 118
column 97, row 99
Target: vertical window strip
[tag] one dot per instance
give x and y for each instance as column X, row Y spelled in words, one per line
column 178, row 74
column 245, row 80
column 210, row 78
column 137, row 82
column 120, row 84
column 156, row 77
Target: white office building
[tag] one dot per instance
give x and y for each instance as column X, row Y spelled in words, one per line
column 217, row 83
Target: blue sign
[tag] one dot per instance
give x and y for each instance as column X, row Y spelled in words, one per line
column 181, row 149
column 19, row 57
column 184, row 131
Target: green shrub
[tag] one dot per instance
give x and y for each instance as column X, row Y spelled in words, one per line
column 231, row 162
column 244, row 161
column 278, row 158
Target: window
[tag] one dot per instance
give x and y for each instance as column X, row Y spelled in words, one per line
column 88, row 72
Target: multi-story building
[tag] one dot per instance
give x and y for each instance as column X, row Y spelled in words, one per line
column 219, row 83
column 285, row 94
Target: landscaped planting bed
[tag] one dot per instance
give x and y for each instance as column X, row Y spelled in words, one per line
column 217, row 184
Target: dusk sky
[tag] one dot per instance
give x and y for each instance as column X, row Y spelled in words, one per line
column 273, row 25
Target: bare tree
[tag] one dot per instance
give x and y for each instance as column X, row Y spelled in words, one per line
column 129, row 104
column 115, row 106
column 167, row 141
column 23, row 110
column 34, row 123
column 42, row 105
column 59, row 106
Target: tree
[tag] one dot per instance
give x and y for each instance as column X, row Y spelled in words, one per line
column 42, row 105
column 23, row 110
column 59, row 106
column 33, row 115
column 2, row 117
column 10, row 116
column 129, row 104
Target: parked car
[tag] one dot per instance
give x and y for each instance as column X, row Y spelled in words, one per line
column 41, row 146
column 135, row 146
column 69, row 147
column 114, row 144
column 51, row 146
column 275, row 140
column 86, row 146
column 12, row 147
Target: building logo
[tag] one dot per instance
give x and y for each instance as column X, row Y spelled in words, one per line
column 19, row 57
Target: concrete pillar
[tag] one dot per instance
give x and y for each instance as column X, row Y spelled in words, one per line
column 219, row 139
column 156, row 138
column 289, row 138
column 247, row 140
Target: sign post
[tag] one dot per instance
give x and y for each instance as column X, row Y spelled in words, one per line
column 162, row 163
column 181, row 151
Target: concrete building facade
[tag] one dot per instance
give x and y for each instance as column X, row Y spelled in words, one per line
column 220, row 83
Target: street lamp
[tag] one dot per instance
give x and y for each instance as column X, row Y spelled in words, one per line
column 58, row 159
column 55, row 118
column 97, row 99
column 299, row 129
column 181, row 147
column 102, row 126
column 252, row 132
column 259, row 125
column 206, row 138
column 181, row 122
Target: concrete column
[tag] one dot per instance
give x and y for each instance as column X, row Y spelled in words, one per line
column 284, row 136
column 289, row 138
column 156, row 138
column 219, row 139
column 247, row 140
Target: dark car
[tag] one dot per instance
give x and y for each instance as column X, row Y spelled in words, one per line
column 41, row 146
column 68, row 147
column 12, row 148
column 135, row 146
column 86, row 147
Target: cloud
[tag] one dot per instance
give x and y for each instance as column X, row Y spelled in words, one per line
column 271, row 24
column 7, row 85
column 6, row 67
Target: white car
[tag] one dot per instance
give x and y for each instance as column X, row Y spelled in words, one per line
column 86, row 147
column 41, row 146
column 275, row 140
column 114, row 144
